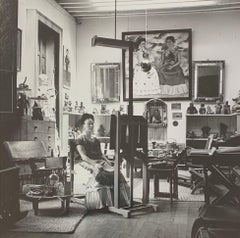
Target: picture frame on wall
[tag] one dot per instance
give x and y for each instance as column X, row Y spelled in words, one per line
column 66, row 68
column 176, row 106
column 162, row 64
column 177, row 115
column 19, row 49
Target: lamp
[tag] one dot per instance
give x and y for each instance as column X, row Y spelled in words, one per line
column 113, row 43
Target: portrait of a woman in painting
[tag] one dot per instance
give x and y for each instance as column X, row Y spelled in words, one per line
column 161, row 64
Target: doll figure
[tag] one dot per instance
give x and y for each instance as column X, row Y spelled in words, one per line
column 209, row 110
column 202, row 109
column 101, row 131
column 82, row 108
column 192, row 109
column 205, row 131
column 226, row 108
column 218, row 107
column 76, row 108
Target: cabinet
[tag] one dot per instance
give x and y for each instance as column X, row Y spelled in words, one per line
column 221, row 125
column 35, row 130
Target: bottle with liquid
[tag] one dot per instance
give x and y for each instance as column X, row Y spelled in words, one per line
column 68, row 182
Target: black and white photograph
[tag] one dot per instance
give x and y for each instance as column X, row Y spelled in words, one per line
column 119, row 119
column 176, row 106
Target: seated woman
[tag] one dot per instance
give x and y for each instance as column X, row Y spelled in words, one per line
column 99, row 192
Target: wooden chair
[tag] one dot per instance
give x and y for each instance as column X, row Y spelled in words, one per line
column 33, row 161
column 196, row 171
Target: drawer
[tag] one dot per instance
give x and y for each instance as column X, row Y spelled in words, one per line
column 41, row 137
column 50, row 127
column 37, row 126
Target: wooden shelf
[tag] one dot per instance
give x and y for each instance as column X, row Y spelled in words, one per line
column 72, row 113
column 38, row 98
column 23, row 89
column 210, row 115
column 196, row 138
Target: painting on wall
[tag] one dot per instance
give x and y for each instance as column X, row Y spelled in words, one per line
column 161, row 64
column 66, row 68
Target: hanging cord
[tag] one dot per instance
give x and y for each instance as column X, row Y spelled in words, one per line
column 115, row 19
column 146, row 24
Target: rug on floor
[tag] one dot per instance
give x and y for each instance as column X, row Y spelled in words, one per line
column 49, row 219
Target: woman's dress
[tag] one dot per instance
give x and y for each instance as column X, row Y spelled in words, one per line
column 99, row 187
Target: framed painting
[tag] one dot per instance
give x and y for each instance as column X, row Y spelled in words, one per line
column 162, row 64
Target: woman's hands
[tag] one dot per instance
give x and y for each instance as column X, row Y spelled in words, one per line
column 97, row 168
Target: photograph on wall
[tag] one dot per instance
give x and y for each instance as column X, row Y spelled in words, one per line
column 161, row 64
column 66, row 68
column 176, row 106
column 177, row 116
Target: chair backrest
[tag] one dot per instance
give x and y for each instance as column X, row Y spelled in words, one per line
column 209, row 142
column 25, row 150
column 139, row 125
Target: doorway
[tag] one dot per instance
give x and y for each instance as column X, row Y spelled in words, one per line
column 48, row 71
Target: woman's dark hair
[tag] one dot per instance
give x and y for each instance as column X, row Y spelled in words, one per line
column 83, row 118
column 171, row 38
column 138, row 41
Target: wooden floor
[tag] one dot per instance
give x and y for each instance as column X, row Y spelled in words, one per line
column 169, row 222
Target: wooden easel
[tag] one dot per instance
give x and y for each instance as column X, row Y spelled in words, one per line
column 137, row 147
column 129, row 121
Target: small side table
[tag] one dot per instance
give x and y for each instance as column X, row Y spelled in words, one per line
column 65, row 201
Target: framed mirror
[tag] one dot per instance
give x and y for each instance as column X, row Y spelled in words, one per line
column 208, row 80
column 105, row 82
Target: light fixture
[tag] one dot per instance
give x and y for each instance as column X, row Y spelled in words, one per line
column 113, row 43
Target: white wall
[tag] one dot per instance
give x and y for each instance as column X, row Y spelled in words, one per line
column 215, row 36
column 51, row 10
column 66, row 25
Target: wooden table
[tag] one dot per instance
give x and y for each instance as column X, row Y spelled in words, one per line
column 65, row 201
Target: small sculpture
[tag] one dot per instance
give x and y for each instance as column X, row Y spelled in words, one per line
column 121, row 109
column 103, row 109
column 22, row 104
column 36, row 112
column 223, row 130
column 226, row 108
column 82, row 108
column 23, row 85
column 95, row 111
column 209, row 110
column 101, row 131
column 76, row 108
column 192, row 109
column 202, row 109
column 218, row 107
column 205, row 131
column 70, row 109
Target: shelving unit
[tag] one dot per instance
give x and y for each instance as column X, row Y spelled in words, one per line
column 195, row 123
